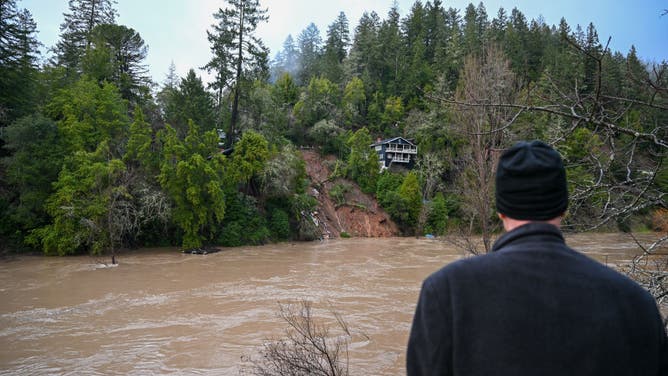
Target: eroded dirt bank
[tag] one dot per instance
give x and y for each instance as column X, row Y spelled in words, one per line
column 359, row 214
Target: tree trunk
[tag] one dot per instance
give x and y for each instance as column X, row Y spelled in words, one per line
column 235, row 103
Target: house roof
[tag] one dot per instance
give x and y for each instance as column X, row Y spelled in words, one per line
column 388, row 140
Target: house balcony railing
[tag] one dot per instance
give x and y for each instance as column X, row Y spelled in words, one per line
column 401, row 149
column 399, row 158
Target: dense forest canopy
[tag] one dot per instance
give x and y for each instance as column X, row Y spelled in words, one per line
column 95, row 157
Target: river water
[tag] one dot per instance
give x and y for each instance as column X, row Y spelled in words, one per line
column 163, row 312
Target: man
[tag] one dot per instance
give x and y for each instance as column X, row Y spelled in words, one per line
column 533, row 306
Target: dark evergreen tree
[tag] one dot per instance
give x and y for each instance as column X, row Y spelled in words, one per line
column 392, row 53
column 418, row 72
column 472, row 38
column 365, row 61
column 498, row 27
column 309, row 44
column 239, row 55
column 121, row 52
column 450, row 59
column 190, row 101
column 593, row 50
column 435, row 33
column 19, row 52
column 536, row 43
column 336, row 49
column 31, row 170
column 515, row 45
column 76, row 30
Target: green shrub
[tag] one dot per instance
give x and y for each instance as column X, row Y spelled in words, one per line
column 279, row 224
column 338, row 193
column 243, row 224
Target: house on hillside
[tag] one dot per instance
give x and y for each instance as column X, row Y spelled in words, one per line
column 395, row 151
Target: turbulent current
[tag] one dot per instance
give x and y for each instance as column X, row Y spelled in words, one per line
column 163, row 312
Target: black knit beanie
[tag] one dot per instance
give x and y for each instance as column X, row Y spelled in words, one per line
column 531, row 182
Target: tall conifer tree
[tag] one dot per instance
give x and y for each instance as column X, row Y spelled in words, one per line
column 238, row 55
column 76, row 29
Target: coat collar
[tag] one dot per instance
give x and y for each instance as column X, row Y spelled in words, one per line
column 533, row 231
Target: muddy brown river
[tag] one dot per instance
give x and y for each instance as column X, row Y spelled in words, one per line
column 163, row 312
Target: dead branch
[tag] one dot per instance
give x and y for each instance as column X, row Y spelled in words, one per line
column 651, row 137
column 307, row 349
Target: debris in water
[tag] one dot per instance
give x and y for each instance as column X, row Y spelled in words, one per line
column 200, row 251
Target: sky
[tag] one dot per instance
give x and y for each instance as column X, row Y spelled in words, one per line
column 175, row 30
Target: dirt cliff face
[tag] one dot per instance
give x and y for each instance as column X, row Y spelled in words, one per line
column 358, row 214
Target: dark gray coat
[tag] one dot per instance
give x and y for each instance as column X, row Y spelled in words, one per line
column 533, row 306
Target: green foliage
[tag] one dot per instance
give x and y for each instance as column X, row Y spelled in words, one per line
column 80, row 205
column 37, row 157
column 302, row 209
column 115, row 54
column 249, row 157
column 264, row 112
column 140, row 143
column 77, row 28
column 401, row 197
column 309, row 46
column 19, row 52
column 582, row 150
column 79, row 175
column 338, row 193
column 87, row 114
column 329, row 136
column 354, row 102
column 388, row 182
column 191, row 173
column 279, row 224
column 362, row 161
column 283, row 174
column 189, row 101
column 285, row 91
column 319, row 101
column 394, row 112
column 243, row 224
column 438, row 212
column 410, row 193
column 238, row 55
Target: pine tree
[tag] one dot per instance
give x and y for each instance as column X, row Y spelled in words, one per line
column 123, row 50
column 238, row 55
column 190, row 102
column 286, row 60
column 498, row 26
column 418, row 72
column 336, row 48
column 309, row 44
column 593, row 50
column 391, row 50
column 516, row 43
column 472, row 39
column 19, row 51
column 365, row 60
column 76, row 29
column 434, row 30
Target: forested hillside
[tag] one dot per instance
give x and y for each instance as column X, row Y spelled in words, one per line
column 95, row 157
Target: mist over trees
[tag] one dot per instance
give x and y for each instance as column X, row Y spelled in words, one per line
column 96, row 157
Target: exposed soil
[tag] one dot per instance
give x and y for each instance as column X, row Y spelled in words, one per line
column 359, row 215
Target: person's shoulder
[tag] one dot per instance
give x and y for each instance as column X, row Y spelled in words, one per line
column 612, row 279
column 464, row 266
